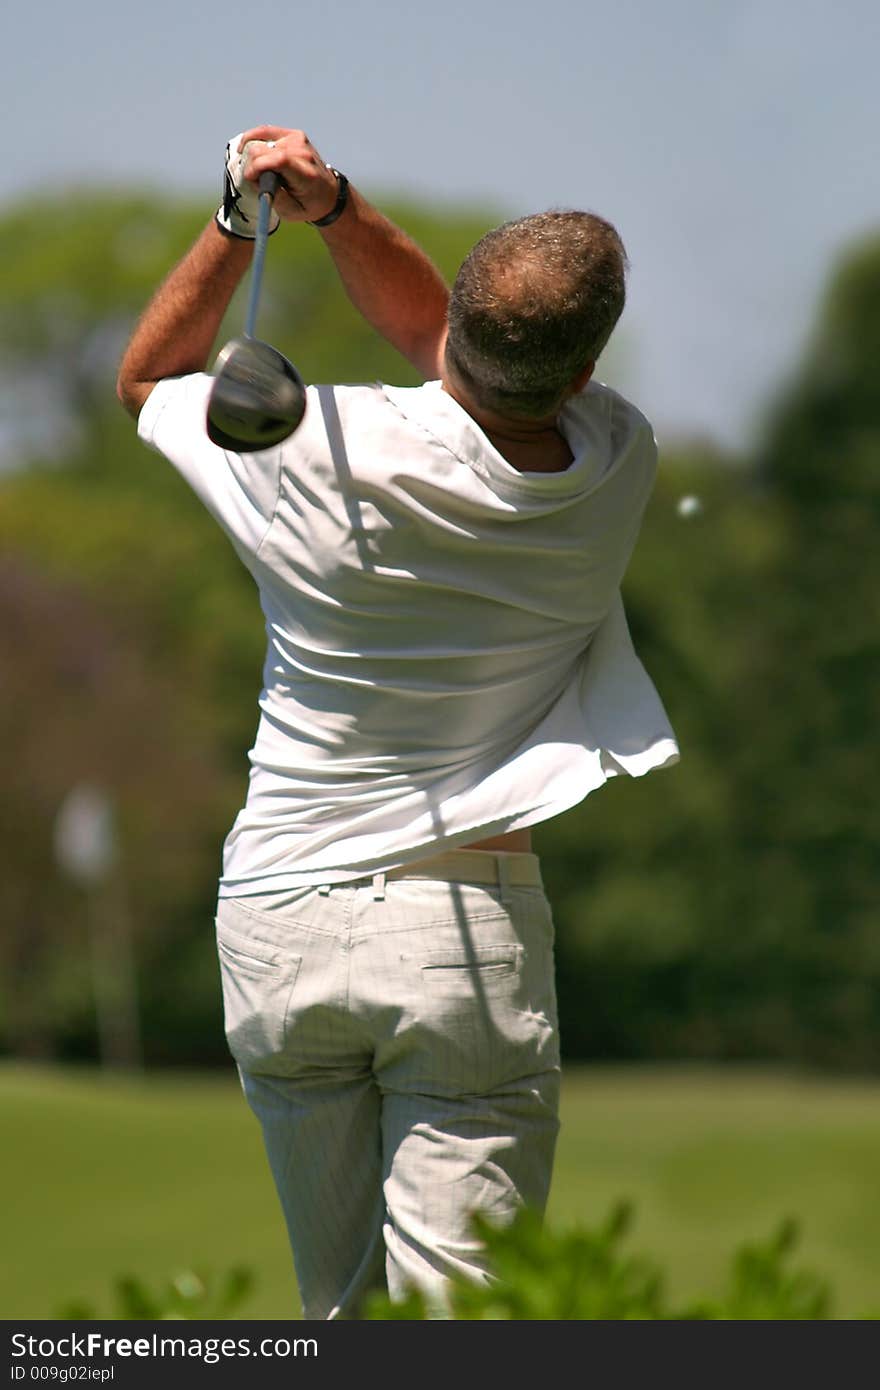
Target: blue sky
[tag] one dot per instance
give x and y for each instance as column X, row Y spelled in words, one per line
column 733, row 144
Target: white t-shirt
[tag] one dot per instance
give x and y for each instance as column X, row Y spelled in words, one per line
column 448, row 656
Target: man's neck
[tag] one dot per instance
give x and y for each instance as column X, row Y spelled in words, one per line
column 530, row 446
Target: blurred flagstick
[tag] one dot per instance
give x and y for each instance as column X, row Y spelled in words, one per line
column 86, row 850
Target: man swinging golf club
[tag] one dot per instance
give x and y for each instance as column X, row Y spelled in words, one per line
column 448, row 664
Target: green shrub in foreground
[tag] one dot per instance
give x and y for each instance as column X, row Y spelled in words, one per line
column 184, row 1296
column 582, row 1274
column 538, row 1274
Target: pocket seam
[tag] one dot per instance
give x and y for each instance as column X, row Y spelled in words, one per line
column 449, row 956
column 247, row 960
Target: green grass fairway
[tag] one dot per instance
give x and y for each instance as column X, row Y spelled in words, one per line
column 105, row 1177
column 715, row 1157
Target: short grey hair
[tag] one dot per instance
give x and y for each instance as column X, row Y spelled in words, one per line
column 534, row 302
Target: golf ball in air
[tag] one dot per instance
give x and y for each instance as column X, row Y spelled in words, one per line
column 689, row 506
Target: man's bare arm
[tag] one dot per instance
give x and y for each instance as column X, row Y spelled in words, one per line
column 391, row 282
column 176, row 331
column 387, row 277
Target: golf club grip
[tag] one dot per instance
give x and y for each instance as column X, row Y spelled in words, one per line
column 270, row 182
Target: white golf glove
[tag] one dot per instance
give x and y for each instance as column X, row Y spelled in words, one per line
column 237, row 214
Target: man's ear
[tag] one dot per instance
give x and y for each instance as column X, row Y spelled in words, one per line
column 580, row 381
column 438, row 355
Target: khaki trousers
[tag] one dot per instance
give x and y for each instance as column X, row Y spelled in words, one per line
column 397, row 1040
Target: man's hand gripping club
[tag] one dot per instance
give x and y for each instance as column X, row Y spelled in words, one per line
column 309, row 188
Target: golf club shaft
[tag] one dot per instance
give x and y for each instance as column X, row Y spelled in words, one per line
column 269, row 182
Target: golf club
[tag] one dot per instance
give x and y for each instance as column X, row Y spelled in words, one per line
column 258, row 397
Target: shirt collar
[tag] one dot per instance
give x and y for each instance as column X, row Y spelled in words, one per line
column 441, row 416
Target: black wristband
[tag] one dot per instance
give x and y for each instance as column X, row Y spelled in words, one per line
column 341, row 199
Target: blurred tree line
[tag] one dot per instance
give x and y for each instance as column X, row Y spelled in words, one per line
column 725, row 909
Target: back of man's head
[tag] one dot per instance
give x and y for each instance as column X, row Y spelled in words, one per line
column 532, row 306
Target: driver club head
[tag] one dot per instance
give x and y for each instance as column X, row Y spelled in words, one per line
column 258, row 398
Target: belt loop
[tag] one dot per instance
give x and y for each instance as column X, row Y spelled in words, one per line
column 378, row 887
column 324, row 889
column 503, row 865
